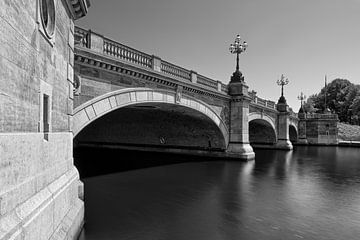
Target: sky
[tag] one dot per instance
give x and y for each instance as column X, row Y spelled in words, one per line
column 302, row 39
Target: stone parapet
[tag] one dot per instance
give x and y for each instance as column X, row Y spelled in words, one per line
column 113, row 49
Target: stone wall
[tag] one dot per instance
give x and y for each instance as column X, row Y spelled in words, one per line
column 39, row 183
column 322, row 131
column 96, row 81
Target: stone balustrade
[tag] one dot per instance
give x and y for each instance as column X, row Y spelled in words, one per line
column 126, row 53
column 224, row 88
column 207, row 81
column 171, row 69
column 263, row 102
column 321, row 116
column 293, row 114
column 98, row 43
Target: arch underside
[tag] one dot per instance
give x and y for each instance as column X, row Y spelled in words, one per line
column 261, row 129
column 293, row 133
column 144, row 116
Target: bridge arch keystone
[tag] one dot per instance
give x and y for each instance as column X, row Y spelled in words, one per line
column 99, row 106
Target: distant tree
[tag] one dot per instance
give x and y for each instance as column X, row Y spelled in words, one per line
column 309, row 104
column 340, row 96
column 355, row 110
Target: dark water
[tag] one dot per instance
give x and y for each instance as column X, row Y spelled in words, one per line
column 309, row 193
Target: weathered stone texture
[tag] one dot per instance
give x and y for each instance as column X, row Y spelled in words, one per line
column 26, row 56
column 321, row 131
column 39, row 184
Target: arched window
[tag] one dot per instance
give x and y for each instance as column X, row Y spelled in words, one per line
column 47, row 13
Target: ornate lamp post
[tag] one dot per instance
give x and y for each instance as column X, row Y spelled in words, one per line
column 236, row 48
column 302, row 98
column 281, row 82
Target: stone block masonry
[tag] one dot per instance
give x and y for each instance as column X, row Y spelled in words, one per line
column 39, row 185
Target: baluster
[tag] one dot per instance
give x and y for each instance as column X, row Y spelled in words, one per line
column 107, row 48
column 117, row 51
column 132, row 57
column 136, row 58
column 122, row 53
column 111, row 49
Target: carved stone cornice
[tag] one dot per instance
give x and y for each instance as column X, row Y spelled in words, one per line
column 101, row 63
column 78, row 8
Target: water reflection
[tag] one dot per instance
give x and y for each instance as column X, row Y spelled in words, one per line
column 309, row 193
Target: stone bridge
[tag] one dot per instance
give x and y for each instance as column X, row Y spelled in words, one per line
column 127, row 98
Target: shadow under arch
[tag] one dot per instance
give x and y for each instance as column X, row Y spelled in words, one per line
column 293, row 133
column 94, row 109
column 262, row 129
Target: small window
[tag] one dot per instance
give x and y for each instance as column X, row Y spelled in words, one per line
column 46, row 111
column 47, row 14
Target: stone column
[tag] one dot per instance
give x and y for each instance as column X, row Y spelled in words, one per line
column 302, row 128
column 239, row 125
column 96, row 42
column 283, row 141
column 193, row 76
column 156, row 63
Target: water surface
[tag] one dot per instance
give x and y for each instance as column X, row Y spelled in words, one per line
column 308, row 193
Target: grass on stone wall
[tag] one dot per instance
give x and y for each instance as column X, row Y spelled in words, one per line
column 349, row 132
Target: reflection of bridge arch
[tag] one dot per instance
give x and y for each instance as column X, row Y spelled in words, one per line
column 99, row 106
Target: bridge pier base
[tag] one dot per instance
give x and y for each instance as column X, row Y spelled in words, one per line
column 239, row 144
column 241, row 150
column 284, row 144
column 283, row 141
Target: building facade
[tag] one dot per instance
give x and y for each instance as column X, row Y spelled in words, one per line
column 40, row 191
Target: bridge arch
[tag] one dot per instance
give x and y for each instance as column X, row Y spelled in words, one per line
column 293, row 132
column 92, row 110
column 262, row 116
column 262, row 128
